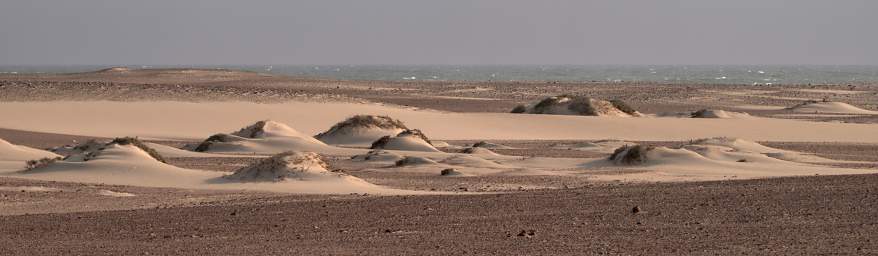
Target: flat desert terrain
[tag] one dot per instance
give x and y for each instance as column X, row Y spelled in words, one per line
column 198, row 161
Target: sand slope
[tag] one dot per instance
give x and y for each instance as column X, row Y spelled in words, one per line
column 263, row 137
column 830, row 108
column 172, row 120
column 129, row 165
column 715, row 159
column 13, row 157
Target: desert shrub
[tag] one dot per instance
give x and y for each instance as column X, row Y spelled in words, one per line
column 582, row 106
column 544, row 105
column 220, row 137
column 40, row 163
column 631, row 155
column 252, row 131
column 519, row 109
column 699, row 114
column 622, row 106
column 415, row 132
column 139, row 144
column 380, row 143
column 448, row 171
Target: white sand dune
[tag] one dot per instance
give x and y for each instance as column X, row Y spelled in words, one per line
column 361, row 130
column 263, row 137
column 131, row 166
column 831, row 107
column 409, row 140
column 714, row 159
column 179, row 120
column 13, row 157
column 576, row 105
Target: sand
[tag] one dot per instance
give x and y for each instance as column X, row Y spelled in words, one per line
column 181, row 120
column 541, row 185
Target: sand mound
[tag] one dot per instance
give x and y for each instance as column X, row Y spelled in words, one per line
column 414, row 160
column 261, row 137
column 578, row 105
column 378, row 155
column 361, row 130
column 478, row 151
column 286, row 166
column 408, row 140
column 716, row 113
column 728, row 145
column 830, row 107
column 14, row 157
column 719, row 149
column 92, row 149
column 12, row 152
column 485, row 144
column 118, row 164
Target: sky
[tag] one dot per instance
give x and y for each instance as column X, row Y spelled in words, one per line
column 456, row 32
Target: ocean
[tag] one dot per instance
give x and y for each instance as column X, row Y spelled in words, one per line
column 676, row 74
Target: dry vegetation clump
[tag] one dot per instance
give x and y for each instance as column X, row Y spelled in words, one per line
column 448, row 172
column 413, row 160
column 382, row 142
column 40, row 163
column 703, row 113
column 139, row 144
column 631, row 155
column 622, row 106
column 415, row 132
column 220, row 137
column 519, row 109
column 252, row 131
column 283, row 166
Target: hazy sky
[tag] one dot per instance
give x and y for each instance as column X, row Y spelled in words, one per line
column 438, row 32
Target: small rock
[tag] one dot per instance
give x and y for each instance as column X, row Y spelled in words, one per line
column 527, row 233
column 635, row 210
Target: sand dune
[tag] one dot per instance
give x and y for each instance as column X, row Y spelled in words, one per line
column 178, row 120
column 713, row 159
column 361, row 130
column 130, row 165
column 263, row 137
column 408, row 140
column 13, row 157
column 577, row 105
column 831, row 107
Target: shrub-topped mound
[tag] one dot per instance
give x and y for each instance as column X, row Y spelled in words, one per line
column 285, row 166
column 578, row 105
column 361, row 129
column 409, row 140
column 263, row 136
column 631, row 155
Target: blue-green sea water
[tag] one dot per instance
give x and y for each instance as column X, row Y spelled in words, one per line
column 677, row 74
